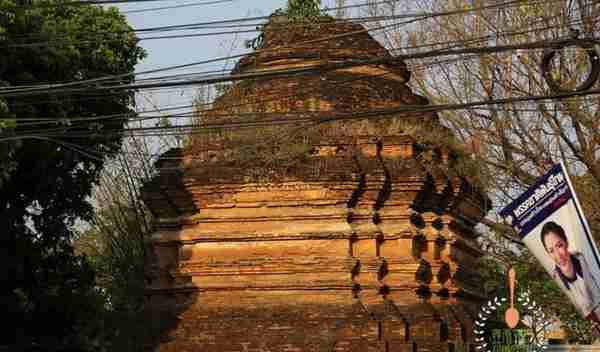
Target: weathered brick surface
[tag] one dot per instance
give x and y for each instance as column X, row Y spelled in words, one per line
column 364, row 247
column 241, row 321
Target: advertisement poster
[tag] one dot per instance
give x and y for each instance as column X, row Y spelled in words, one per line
column 549, row 220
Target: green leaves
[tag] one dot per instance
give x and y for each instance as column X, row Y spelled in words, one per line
column 45, row 187
column 297, row 11
column 7, row 124
column 303, row 10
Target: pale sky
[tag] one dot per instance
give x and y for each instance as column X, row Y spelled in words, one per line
column 168, row 52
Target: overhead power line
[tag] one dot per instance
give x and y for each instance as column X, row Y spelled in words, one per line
column 277, row 96
column 162, row 8
column 133, row 117
column 125, row 75
column 403, row 111
column 254, row 102
column 100, row 37
column 240, row 21
column 323, row 10
column 202, row 3
column 103, row 2
column 306, row 88
column 385, row 113
column 107, row 37
column 118, row 37
column 367, row 19
column 108, row 40
column 455, row 43
column 303, row 88
column 105, row 78
column 273, row 73
column 420, row 66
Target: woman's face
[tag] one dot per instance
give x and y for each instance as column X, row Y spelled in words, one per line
column 558, row 250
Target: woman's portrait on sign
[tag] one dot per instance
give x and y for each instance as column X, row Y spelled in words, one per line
column 572, row 269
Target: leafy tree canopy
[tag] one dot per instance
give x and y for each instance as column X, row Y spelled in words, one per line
column 45, row 188
column 302, row 10
column 297, row 11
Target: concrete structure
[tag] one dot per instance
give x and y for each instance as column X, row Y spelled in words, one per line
column 365, row 244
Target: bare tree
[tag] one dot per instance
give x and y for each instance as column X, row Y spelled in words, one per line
column 115, row 240
column 513, row 143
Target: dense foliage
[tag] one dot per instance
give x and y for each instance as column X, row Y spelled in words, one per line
column 48, row 292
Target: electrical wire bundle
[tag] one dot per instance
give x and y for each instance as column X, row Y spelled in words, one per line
column 147, row 81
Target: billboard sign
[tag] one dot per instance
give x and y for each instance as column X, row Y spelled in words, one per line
column 549, row 220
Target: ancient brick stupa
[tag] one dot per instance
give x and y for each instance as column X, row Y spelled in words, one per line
column 354, row 235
